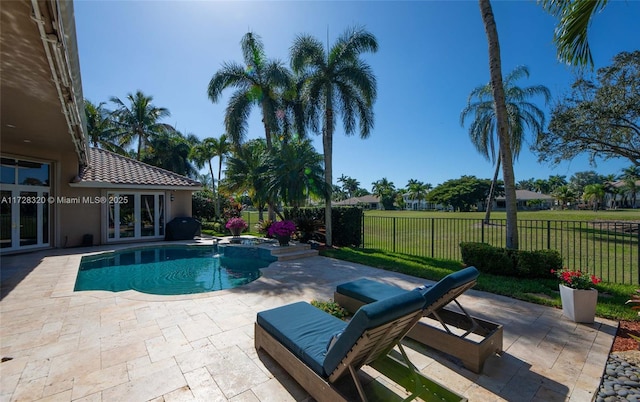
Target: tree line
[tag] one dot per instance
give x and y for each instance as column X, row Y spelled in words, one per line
column 324, row 84
column 465, row 193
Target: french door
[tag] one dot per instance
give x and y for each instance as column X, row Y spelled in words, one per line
column 24, row 204
column 134, row 215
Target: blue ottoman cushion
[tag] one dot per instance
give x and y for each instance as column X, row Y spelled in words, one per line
column 304, row 329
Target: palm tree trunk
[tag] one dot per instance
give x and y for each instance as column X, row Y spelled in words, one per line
column 139, row 144
column 327, row 145
column 495, row 68
column 213, row 186
column 218, row 193
column 492, row 190
column 267, row 132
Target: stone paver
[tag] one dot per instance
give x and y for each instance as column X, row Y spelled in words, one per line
column 103, row 346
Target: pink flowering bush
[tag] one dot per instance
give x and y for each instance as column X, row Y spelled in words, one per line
column 236, row 223
column 576, row 279
column 282, row 228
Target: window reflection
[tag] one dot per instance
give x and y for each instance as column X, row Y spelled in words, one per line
column 8, row 171
column 29, row 173
column 33, row 173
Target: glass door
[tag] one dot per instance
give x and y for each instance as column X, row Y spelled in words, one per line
column 24, row 218
column 6, row 220
column 135, row 216
column 24, row 204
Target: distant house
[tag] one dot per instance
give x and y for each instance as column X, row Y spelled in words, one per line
column 55, row 190
column 622, row 198
column 418, row 205
column 366, row 201
column 526, row 200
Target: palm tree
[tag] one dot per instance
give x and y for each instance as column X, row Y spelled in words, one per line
column 170, row 150
column 630, row 176
column 564, row 194
column 571, row 33
column 527, row 184
column 246, row 171
column 295, row 173
column 338, row 82
column 417, row 190
column 349, row 184
column 522, row 115
column 385, row 190
column 139, row 120
column 257, row 83
column 594, row 193
column 222, row 149
column 202, row 154
column 556, row 181
column 100, row 127
column 502, row 123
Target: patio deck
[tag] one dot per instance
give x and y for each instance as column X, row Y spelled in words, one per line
column 103, row 346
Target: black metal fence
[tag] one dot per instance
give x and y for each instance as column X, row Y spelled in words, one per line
column 609, row 249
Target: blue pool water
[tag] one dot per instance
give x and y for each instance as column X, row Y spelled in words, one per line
column 172, row 270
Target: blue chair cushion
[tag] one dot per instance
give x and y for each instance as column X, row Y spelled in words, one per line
column 368, row 291
column 303, row 329
column 449, row 282
column 370, row 316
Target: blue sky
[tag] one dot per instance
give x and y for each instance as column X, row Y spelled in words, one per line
column 431, row 55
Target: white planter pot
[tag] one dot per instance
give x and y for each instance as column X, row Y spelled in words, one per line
column 579, row 305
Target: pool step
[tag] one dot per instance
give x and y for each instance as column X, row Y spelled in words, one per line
column 293, row 252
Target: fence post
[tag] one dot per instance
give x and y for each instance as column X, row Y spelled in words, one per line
column 548, row 235
column 433, row 237
column 482, row 231
column 362, row 231
column 394, row 235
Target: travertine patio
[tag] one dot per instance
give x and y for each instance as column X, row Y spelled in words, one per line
column 102, row 346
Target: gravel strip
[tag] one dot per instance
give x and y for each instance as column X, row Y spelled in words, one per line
column 621, row 379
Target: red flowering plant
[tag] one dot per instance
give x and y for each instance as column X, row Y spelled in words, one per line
column 282, row 229
column 576, row 279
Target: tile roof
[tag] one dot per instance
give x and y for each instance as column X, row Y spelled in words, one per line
column 526, row 195
column 106, row 167
column 356, row 200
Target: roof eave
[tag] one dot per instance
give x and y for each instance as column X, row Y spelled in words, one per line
column 138, row 187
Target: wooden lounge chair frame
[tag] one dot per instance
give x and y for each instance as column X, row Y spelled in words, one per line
column 473, row 354
column 373, row 344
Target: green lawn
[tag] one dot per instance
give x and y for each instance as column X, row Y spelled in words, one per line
column 565, row 215
column 611, row 297
column 586, row 240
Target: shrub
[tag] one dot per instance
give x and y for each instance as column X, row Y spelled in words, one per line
column 330, row 307
column 214, row 226
column 309, row 229
column 486, row 258
column 203, row 205
column 538, row 264
column 232, row 209
column 236, row 223
column 501, row 261
column 282, row 228
column 347, row 222
column 263, row 227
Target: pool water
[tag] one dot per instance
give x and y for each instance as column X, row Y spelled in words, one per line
column 167, row 270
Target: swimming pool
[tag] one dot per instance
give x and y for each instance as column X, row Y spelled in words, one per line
column 167, row 270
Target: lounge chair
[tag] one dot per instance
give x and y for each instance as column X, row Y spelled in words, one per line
column 454, row 337
column 318, row 349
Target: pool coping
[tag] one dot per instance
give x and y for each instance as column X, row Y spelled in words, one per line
column 65, row 285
